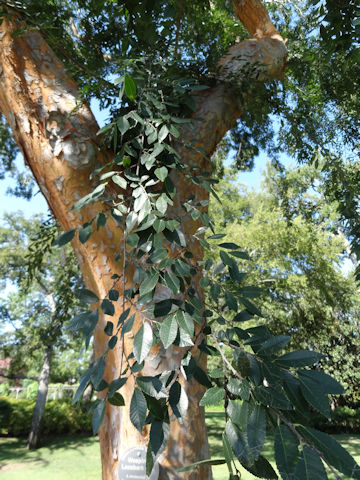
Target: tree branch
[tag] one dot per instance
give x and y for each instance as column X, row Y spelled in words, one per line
column 259, row 59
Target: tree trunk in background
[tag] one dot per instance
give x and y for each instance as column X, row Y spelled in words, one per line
column 59, row 143
column 44, row 377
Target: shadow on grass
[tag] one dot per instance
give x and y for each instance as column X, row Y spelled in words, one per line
column 15, row 450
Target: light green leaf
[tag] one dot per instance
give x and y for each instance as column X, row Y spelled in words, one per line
column 143, row 341
column 120, row 181
column 212, row 396
column 130, row 87
column 168, row 331
column 161, row 173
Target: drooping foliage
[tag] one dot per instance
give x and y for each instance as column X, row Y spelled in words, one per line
column 146, row 61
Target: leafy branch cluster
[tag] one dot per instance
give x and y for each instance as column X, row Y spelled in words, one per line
column 259, row 386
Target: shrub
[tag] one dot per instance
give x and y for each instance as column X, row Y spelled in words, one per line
column 60, row 417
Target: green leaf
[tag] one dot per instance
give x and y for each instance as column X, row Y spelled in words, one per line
column 130, row 87
column 161, row 173
column 138, row 409
column 98, row 416
column 237, row 441
column 274, row 344
column 131, row 221
column 327, row 383
column 113, row 295
column 209, row 462
column 123, row 125
column 161, row 203
column 185, row 322
column 65, row 238
column 229, row 245
column 97, row 372
column 163, row 133
column 286, row 452
column 107, row 307
column 159, row 435
column 87, row 296
column 168, row 331
column 152, row 386
column 116, row 384
column 143, row 341
column 85, row 233
column 213, row 396
column 84, row 381
column 231, row 301
column 299, row 358
column 315, row 395
column 310, row 466
column 272, row 396
column 149, row 284
column 262, row 469
column 117, row 399
column 227, row 452
column 120, row 181
column 334, row 453
column 239, row 388
column 238, row 413
column 256, row 431
column 162, row 308
column 172, row 282
column 178, row 400
column 123, row 316
column 112, row 342
column 201, row 377
column 109, row 328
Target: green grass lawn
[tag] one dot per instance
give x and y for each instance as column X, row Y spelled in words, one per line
column 78, row 458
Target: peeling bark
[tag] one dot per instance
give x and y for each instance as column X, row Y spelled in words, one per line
column 58, row 139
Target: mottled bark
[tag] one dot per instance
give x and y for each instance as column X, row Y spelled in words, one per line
column 58, row 139
column 44, row 378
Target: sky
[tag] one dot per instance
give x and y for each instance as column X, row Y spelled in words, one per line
column 38, row 204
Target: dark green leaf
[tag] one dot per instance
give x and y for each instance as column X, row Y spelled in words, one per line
column 227, row 452
column 85, row 233
column 138, row 409
column 229, row 245
column 256, row 431
column 117, row 399
column 334, row 453
column 65, row 238
column 87, row 296
column 178, row 400
column 116, row 384
column 310, row 466
column 109, row 327
column 286, row 452
column 107, row 307
column 274, row 344
column 172, row 282
column 112, row 342
column 315, row 395
column 299, row 358
column 237, row 441
column 327, row 383
column 98, row 416
column 261, row 468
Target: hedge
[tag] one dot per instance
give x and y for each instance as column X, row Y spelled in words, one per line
column 60, row 417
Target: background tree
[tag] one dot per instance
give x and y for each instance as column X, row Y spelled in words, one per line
column 35, row 315
column 149, row 134
column 293, row 236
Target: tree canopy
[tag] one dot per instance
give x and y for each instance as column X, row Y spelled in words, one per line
column 175, row 77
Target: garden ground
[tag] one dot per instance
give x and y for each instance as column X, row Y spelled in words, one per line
column 78, row 458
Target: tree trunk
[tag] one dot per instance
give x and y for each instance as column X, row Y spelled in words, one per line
column 58, row 139
column 44, row 377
